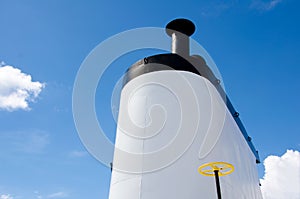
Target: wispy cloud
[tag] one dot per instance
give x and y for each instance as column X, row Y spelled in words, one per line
column 282, row 176
column 216, row 8
column 6, row 196
column 30, row 141
column 78, row 154
column 38, row 195
column 265, row 6
column 17, row 88
column 35, row 142
column 60, row 194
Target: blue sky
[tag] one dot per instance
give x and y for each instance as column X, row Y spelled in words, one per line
column 254, row 43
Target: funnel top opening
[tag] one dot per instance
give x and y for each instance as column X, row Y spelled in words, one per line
column 181, row 25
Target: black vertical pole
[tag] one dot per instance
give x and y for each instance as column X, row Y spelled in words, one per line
column 218, row 184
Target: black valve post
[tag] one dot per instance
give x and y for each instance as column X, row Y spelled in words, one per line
column 218, row 184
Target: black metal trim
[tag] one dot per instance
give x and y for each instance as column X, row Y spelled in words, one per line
column 157, row 63
column 181, row 25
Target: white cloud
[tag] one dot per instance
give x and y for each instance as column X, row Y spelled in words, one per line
column 58, row 195
column 17, row 89
column 6, row 196
column 265, row 6
column 282, row 176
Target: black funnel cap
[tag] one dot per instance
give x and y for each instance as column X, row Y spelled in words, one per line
column 184, row 26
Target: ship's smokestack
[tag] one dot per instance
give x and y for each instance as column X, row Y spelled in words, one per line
column 180, row 30
column 172, row 119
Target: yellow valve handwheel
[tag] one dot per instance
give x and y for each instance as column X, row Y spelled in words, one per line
column 209, row 169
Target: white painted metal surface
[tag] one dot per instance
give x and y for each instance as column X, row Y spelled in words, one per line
column 156, row 114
